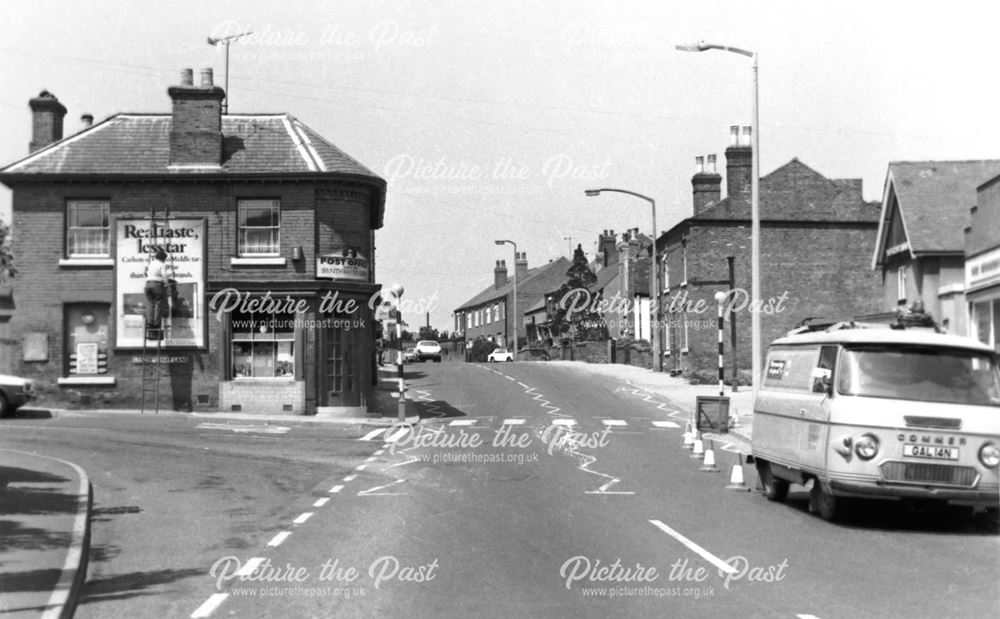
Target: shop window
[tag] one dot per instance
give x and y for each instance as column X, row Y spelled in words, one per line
column 88, row 229
column 259, row 228
column 263, row 345
column 86, row 338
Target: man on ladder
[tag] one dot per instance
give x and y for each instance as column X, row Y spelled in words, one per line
column 157, row 300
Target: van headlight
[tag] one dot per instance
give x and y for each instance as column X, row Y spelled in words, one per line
column 989, row 455
column 866, row 447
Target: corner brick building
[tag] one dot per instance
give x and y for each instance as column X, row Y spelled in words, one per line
column 270, row 230
column 817, row 238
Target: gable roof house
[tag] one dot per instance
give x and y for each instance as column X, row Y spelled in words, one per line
column 817, row 234
column 920, row 247
column 249, row 207
column 490, row 313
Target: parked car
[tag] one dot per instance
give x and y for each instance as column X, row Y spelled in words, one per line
column 409, row 355
column 500, row 354
column 14, row 393
column 428, row 349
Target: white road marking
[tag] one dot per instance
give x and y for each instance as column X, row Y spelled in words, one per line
column 321, row 502
column 379, row 452
column 372, row 491
column 280, row 537
column 523, row 385
column 510, row 378
column 336, row 489
column 665, row 424
column 564, row 422
column 463, row 422
column 250, row 567
column 513, row 422
column 807, row 616
column 351, row 477
column 371, row 435
column 302, row 518
column 245, row 429
column 398, row 434
column 211, row 604
column 361, row 467
column 371, row 459
column 714, row 560
column 614, row 422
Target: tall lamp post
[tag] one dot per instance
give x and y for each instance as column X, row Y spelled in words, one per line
column 702, row 46
column 654, row 284
column 397, row 292
column 514, row 321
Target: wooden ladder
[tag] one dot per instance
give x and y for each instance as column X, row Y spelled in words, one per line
column 151, row 369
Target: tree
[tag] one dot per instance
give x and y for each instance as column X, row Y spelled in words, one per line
column 585, row 323
column 429, row 333
column 7, row 269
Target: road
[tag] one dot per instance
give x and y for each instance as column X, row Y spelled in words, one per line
column 527, row 490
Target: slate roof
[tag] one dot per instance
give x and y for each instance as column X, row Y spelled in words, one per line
column 540, row 279
column 131, row 145
column 934, row 199
column 796, row 192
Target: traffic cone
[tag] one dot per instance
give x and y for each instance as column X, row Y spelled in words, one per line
column 736, row 481
column 699, row 449
column 709, row 465
column 688, row 437
column 734, row 419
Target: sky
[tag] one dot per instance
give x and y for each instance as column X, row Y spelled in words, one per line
column 490, row 119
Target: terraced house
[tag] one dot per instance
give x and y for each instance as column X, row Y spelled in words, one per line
column 270, row 232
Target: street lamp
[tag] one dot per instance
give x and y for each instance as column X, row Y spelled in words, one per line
column 397, row 292
column 654, row 284
column 503, row 242
column 226, row 41
column 754, row 208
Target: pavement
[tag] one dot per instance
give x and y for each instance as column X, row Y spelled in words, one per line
column 45, row 527
column 681, row 394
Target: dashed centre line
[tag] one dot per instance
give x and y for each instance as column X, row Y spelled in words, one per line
column 302, row 518
column 209, row 606
column 714, row 560
column 279, row 538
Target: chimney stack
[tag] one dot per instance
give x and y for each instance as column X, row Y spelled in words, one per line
column 87, row 120
column 739, row 165
column 46, row 120
column 606, row 243
column 500, row 274
column 196, row 125
column 706, row 184
column 521, row 266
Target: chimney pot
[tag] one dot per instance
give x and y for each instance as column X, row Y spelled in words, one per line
column 88, row 120
column 207, row 78
column 187, row 77
column 734, row 135
column 711, row 165
column 699, row 165
column 747, row 136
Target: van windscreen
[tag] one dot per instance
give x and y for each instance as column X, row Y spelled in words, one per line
column 925, row 374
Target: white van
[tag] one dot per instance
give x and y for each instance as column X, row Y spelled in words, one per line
column 881, row 413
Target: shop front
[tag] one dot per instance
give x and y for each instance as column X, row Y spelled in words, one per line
column 982, row 277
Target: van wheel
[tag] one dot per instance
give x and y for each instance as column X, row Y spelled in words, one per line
column 774, row 489
column 822, row 502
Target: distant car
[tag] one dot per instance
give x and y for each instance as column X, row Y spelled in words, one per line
column 410, row 354
column 500, row 354
column 428, row 349
column 14, row 393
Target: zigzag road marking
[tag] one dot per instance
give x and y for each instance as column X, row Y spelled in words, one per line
column 648, row 397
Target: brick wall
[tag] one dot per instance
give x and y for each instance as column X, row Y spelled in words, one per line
column 42, row 287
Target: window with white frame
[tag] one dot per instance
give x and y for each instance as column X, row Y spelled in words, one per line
column 263, row 345
column 468, row 320
column 684, row 259
column 259, row 228
column 496, row 312
column 88, row 229
column 901, row 283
